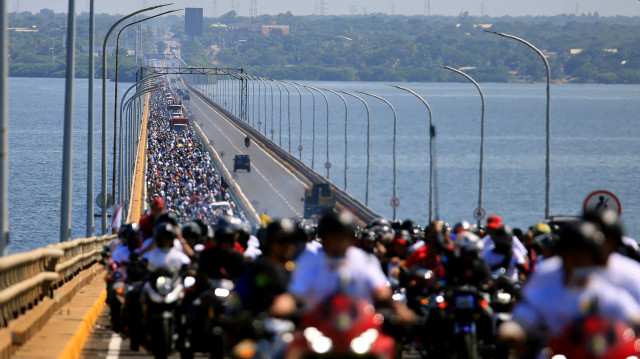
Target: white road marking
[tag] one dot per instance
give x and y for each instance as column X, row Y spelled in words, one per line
column 256, row 167
column 114, row 346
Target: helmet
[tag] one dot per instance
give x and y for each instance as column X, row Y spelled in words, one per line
column 380, row 222
column 503, row 236
column 205, row 230
column 467, row 243
column 540, row 228
column 167, row 217
column 609, row 223
column 226, row 229
column 368, row 235
column 580, row 234
column 402, row 236
column 462, row 226
column 333, row 222
column 283, row 231
column 129, row 235
column 191, row 230
column 164, row 231
column 408, row 224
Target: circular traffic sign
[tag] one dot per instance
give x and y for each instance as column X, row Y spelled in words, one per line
column 255, row 203
column 300, row 148
column 272, row 131
column 235, row 176
column 601, row 200
column 395, row 202
column 327, row 165
column 109, row 200
column 479, row 213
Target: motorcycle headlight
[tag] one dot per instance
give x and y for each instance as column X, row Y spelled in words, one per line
column 221, row 292
column 363, row 343
column 163, row 285
column 189, row 282
column 317, row 341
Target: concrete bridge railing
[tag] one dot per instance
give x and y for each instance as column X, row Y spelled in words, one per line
column 26, row 278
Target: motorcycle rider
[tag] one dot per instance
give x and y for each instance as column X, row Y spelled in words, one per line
column 220, row 259
column 503, row 254
column 165, row 255
column 566, row 285
column 340, row 265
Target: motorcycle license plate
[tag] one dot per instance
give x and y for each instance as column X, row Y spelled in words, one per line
column 464, row 301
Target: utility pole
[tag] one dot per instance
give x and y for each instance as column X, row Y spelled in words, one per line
column 253, row 8
column 323, row 7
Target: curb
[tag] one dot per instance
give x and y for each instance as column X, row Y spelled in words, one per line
column 75, row 345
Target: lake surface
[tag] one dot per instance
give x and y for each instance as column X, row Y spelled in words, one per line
column 595, row 144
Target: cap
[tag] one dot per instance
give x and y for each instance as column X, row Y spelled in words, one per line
column 157, row 202
column 494, row 222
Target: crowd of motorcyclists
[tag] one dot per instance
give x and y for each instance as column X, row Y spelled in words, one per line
column 179, row 281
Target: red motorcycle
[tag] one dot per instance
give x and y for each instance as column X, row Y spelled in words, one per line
column 339, row 327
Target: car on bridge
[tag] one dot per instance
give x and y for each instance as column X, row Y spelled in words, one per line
column 241, row 162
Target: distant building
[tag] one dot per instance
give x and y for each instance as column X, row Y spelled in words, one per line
column 193, row 21
column 244, row 27
column 275, row 29
column 575, row 51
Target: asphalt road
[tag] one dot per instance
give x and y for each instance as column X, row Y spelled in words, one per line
column 270, row 187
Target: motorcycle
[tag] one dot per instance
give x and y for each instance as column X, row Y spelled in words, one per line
column 161, row 297
column 458, row 324
column 201, row 325
column 247, row 141
column 339, row 327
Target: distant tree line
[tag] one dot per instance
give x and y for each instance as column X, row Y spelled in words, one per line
column 375, row 47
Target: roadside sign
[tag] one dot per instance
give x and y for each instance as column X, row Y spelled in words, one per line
column 479, row 213
column 601, row 200
column 109, row 200
column 235, row 176
column 300, row 148
column 327, row 165
column 395, row 202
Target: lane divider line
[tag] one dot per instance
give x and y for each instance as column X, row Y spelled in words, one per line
column 113, row 352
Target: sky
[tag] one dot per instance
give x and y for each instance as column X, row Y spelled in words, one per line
column 358, row 7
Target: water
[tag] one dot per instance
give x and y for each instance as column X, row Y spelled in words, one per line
column 594, row 145
column 595, row 141
column 36, row 126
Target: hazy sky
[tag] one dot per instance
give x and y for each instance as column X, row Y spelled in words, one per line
column 345, row 7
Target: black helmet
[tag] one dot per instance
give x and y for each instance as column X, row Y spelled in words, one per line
column 226, row 229
column 503, row 236
column 191, row 230
column 368, row 236
column 462, row 226
column 580, row 234
column 129, row 235
column 164, row 231
column 408, row 224
column 341, row 222
column 283, row 231
column 167, row 217
column 380, row 222
column 608, row 222
column 205, row 230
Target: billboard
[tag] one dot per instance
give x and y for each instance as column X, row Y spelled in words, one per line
column 193, row 21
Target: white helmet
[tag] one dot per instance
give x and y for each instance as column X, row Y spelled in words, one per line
column 467, row 242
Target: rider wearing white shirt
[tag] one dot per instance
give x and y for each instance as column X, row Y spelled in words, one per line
column 339, row 267
column 165, row 255
column 581, row 276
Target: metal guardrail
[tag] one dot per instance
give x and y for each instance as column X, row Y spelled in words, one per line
column 26, row 278
column 343, row 199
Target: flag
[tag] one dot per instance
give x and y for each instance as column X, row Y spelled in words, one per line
column 265, row 220
column 116, row 220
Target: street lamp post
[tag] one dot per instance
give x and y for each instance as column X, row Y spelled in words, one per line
column 265, row 110
column 481, row 133
column 104, row 111
column 4, row 130
column 115, row 102
column 548, row 162
column 366, row 196
column 288, row 111
column 313, row 133
column 67, row 148
column 299, row 94
column 346, row 121
column 327, row 164
column 432, row 134
column 90, row 204
column 395, row 202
